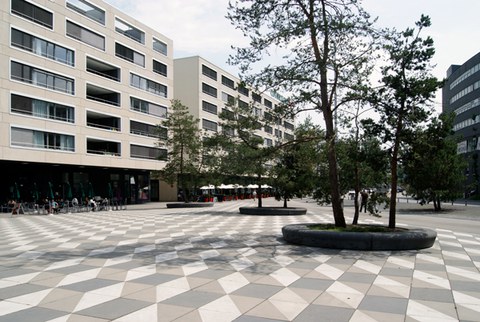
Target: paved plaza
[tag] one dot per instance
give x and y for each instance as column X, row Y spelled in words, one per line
column 150, row 263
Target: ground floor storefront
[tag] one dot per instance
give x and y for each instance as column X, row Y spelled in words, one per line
column 38, row 182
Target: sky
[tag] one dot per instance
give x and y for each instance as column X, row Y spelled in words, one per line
column 200, row 27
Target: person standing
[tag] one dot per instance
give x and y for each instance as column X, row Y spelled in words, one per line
column 363, row 201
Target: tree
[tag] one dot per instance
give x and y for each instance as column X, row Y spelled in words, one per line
column 433, row 170
column 295, row 173
column 404, row 99
column 239, row 151
column 184, row 147
column 326, row 45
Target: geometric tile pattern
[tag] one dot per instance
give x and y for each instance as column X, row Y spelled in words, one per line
column 217, row 265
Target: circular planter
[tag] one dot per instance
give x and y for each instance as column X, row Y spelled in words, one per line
column 190, row 205
column 402, row 239
column 273, row 211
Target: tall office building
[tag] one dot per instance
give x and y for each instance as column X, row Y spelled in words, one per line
column 82, row 88
column 207, row 89
column 461, row 95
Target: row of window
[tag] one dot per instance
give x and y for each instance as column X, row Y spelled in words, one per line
column 50, row 50
column 48, row 110
column 468, row 106
column 42, row 78
column 469, row 145
column 213, row 126
column 21, row 137
column 241, row 88
column 465, row 75
column 43, row 17
column 466, row 123
column 465, row 91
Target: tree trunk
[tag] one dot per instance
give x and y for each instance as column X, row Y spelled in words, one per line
column 394, row 175
column 333, row 172
column 284, row 202
column 259, row 192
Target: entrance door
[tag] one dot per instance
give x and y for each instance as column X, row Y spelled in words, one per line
column 155, row 190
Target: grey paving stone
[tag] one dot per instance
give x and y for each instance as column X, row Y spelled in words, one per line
column 89, row 285
column 384, row 304
column 388, row 271
column 194, row 299
column 357, row 277
column 431, row 294
column 324, row 314
column 20, row 289
column 34, row 314
column 114, row 309
column 258, row 290
column 312, row 284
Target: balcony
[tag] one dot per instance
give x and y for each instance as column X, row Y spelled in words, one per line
column 103, row 69
column 103, row 121
column 103, row 95
column 103, row 147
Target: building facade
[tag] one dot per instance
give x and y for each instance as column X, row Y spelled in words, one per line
column 461, row 95
column 207, row 90
column 82, row 88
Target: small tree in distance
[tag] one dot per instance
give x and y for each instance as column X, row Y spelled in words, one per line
column 295, row 171
column 184, row 147
column 433, row 170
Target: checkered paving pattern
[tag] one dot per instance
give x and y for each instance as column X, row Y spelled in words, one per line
column 213, row 264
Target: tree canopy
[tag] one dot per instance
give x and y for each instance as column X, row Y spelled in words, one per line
column 326, row 47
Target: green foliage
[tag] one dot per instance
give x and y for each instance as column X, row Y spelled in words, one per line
column 184, row 146
column 325, row 47
column 295, row 173
column 404, row 99
column 433, row 170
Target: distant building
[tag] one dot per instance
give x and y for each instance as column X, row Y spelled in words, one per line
column 207, row 89
column 82, row 88
column 461, row 95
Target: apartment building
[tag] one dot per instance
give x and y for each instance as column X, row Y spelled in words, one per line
column 207, row 89
column 82, row 88
column 461, row 95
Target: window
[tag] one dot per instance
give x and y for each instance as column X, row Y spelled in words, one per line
column 129, row 54
column 267, row 103
column 31, row 12
column 103, row 121
column 42, row 47
column 278, row 133
column 42, row 78
column 144, row 152
column 84, row 35
column 229, row 99
column 242, row 104
column 207, row 71
column 43, row 109
column 227, row 114
column 103, row 147
column 288, row 125
column 159, row 68
column 268, row 142
column 103, row 95
column 256, row 98
column 103, row 69
column 209, row 107
column 289, row 137
column 142, row 106
column 148, row 85
column 243, row 90
column 228, row 82
column 87, row 9
column 160, row 46
column 42, row 140
column 209, row 125
column 148, row 130
column 129, row 31
column 210, row 90
column 268, row 129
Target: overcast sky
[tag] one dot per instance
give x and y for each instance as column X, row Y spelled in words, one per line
column 200, row 27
